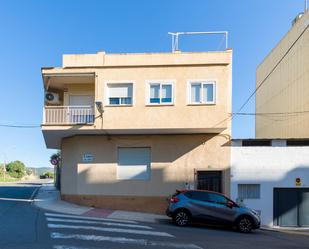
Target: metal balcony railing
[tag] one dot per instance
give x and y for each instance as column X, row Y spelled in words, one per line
column 59, row 115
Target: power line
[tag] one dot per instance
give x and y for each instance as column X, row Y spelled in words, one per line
column 263, row 81
column 274, row 68
column 20, row 126
column 269, row 113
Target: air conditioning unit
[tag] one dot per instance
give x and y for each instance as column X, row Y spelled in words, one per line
column 52, row 98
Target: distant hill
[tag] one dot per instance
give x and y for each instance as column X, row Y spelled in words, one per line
column 41, row 171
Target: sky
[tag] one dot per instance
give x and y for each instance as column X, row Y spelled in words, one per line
column 35, row 33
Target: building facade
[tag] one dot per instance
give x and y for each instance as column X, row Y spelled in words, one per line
column 282, row 82
column 133, row 128
column 271, row 176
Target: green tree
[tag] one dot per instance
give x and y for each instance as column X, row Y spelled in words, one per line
column 16, row 169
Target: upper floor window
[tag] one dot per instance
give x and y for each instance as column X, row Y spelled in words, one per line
column 202, row 92
column 160, row 93
column 120, row 94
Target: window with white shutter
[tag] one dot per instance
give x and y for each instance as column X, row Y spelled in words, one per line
column 120, row 94
column 133, row 164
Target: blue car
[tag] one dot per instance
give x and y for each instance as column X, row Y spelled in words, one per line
column 212, row 207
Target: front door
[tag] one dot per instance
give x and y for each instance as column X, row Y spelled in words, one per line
column 81, row 109
column 209, row 180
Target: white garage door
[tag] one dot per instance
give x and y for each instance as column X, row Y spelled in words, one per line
column 133, row 163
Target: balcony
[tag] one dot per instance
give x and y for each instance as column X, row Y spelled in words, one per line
column 68, row 115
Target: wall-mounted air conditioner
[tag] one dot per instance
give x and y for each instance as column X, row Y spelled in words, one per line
column 52, row 98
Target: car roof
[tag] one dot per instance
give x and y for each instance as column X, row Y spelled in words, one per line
column 198, row 190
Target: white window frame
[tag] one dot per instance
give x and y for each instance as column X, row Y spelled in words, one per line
column 160, row 82
column 202, row 82
column 108, row 83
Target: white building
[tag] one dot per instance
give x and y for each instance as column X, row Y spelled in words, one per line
column 272, row 176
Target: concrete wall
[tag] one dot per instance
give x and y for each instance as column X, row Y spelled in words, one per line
column 174, row 158
column 285, row 87
column 271, row 167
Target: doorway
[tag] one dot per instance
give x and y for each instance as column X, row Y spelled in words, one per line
column 209, row 180
column 291, row 207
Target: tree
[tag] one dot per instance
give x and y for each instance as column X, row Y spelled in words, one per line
column 16, row 169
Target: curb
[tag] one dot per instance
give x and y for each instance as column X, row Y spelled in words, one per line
column 296, row 232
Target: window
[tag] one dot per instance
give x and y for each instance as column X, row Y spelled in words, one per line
column 202, row 92
column 217, row 198
column 255, row 142
column 160, row 93
column 133, row 164
column 204, row 196
column 120, row 94
column 249, row 191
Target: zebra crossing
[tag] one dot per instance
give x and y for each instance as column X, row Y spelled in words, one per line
column 68, row 230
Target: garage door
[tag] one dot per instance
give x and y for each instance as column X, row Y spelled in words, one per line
column 291, row 207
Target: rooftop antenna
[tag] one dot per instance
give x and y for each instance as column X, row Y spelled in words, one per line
column 175, row 37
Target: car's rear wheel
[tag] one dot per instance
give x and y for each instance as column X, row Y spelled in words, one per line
column 244, row 225
column 181, row 218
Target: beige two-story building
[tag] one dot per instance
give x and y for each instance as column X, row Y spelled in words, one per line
column 133, row 128
column 282, row 82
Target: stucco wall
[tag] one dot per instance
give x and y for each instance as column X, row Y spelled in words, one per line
column 139, row 69
column 178, row 115
column 173, row 160
column 271, row 167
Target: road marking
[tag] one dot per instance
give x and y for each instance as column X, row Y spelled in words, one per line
column 98, row 222
column 123, row 240
column 71, row 247
column 34, row 193
column 14, row 199
column 89, row 218
column 113, row 230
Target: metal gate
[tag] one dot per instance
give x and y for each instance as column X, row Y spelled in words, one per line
column 291, row 207
column 209, row 180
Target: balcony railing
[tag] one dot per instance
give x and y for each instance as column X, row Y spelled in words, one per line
column 59, row 115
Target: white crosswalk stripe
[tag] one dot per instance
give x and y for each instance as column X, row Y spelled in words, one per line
column 63, row 227
column 73, row 247
column 89, row 218
column 107, row 229
column 123, row 240
column 97, row 223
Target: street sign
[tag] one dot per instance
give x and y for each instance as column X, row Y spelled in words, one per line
column 297, row 181
column 88, row 158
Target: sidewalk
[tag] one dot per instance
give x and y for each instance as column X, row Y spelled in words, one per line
column 48, row 198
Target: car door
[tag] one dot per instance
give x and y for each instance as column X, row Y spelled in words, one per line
column 197, row 205
column 220, row 209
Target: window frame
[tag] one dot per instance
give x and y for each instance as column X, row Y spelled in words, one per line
column 123, row 82
column 202, row 82
column 249, row 198
column 160, row 82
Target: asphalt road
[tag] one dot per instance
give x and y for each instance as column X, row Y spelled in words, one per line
column 22, row 225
